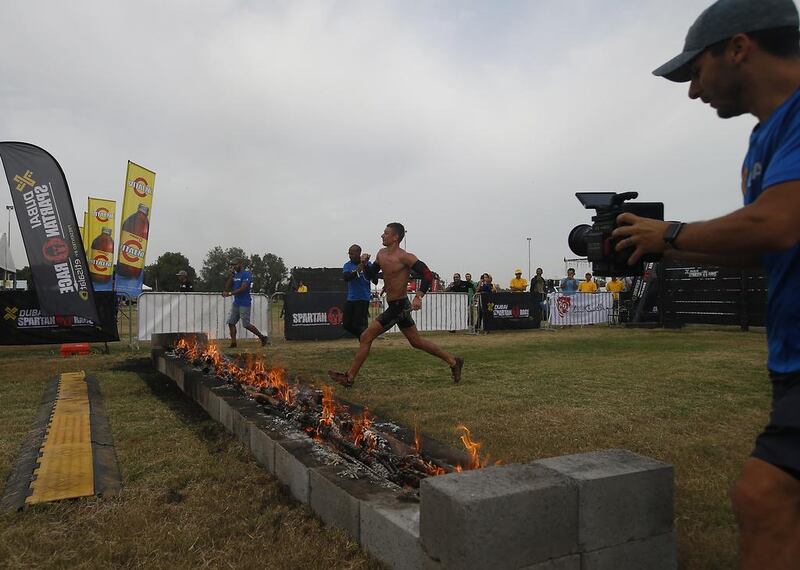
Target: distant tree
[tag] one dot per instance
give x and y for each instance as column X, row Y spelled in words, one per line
column 217, row 267
column 269, row 271
column 162, row 275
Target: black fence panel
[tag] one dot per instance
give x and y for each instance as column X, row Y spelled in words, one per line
column 712, row 295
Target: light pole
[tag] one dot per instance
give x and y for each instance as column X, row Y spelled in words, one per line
column 8, row 246
column 529, row 257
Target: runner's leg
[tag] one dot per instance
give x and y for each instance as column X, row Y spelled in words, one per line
column 365, row 343
column 415, row 340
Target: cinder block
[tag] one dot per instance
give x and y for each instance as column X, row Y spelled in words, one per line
column 225, row 412
column 161, row 364
column 654, row 553
column 390, row 532
column 570, row 562
column 293, row 459
column 622, row 496
column 263, row 449
column 499, row 517
column 174, row 369
column 245, row 413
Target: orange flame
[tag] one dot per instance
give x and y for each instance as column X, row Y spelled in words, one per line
column 473, row 447
column 328, row 406
column 360, row 426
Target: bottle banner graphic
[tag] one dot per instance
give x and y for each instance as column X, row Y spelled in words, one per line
column 134, row 229
column 49, row 230
column 102, row 218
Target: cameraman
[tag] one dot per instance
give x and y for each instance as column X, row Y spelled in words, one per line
column 743, row 56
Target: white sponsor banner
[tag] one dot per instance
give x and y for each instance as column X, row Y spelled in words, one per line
column 580, row 308
column 439, row 312
column 196, row 312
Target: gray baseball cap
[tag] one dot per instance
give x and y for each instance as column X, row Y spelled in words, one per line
column 722, row 20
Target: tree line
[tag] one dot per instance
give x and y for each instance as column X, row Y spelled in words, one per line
column 268, row 270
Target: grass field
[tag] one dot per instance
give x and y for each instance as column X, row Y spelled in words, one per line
column 695, row 398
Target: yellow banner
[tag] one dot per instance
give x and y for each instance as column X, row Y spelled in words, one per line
column 135, row 218
column 83, row 235
column 100, row 237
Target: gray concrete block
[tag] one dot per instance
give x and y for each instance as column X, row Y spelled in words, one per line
column 499, row 517
column 263, row 449
column 390, row 532
column 654, row 553
column 570, row 562
column 245, row 414
column 293, row 459
column 174, row 369
column 622, row 496
column 161, row 364
column 225, row 412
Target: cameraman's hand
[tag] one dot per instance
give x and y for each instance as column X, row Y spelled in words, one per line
column 644, row 234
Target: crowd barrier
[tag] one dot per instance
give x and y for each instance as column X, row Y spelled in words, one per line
column 196, row 312
column 440, row 312
column 582, row 309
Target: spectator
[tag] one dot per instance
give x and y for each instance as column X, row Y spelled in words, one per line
column 569, row 285
column 184, row 284
column 238, row 287
column 615, row 286
column 588, row 286
column 457, row 286
column 486, row 286
column 471, row 286
column 518, row 284
column 302, row 288
column 538, row 295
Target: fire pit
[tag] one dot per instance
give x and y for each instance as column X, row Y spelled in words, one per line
column 416, row 503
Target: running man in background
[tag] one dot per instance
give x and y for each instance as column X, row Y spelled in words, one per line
column 238, row 287
column 396, row 265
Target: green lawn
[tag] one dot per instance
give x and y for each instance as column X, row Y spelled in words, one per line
column 695, row 398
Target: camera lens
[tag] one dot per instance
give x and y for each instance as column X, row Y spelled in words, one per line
column 577, row 239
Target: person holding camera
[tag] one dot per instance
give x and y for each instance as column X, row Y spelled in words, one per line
column 743, row 57
column 238, row 287
column 569, row 285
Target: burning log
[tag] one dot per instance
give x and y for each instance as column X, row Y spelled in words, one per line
column 319, row 414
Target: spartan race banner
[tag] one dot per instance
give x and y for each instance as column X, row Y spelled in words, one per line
column 314, row 316
column 508, row 311
column 23, row 322
column 49, row 230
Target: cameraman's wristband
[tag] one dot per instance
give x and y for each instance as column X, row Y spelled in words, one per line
column 671, row 233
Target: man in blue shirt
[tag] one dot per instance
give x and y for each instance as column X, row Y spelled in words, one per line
column 356, row 309
column 743, row 57
column 238, row 286
column 569, row 285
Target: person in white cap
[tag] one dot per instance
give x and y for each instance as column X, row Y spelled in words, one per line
column 743, row 57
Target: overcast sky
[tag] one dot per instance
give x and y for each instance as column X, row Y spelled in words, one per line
column 299, row 128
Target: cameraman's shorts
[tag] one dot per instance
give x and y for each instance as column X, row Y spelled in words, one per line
column 238, row 312
column 779, row 443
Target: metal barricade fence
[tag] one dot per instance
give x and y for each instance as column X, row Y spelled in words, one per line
column 197, row 312
column 440, row 311
column 582, row 309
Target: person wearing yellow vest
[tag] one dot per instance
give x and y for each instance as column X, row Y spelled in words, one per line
column 587, row 286
column 615, row 286
column 518, row 284
column 302, row 288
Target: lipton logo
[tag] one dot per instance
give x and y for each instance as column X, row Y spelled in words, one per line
column 335, row 316
column 102, row 214
column 563, row 304
column 132, row 251
column 140, row 187
column 55, row 250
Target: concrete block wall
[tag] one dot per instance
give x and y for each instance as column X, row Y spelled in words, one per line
column 603, row 510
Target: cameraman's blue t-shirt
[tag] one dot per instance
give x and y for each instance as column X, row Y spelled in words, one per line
column 773, row 158
column 239, row 279
column 358, row 288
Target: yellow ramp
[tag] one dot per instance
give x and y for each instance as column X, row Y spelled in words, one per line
column 66, row 467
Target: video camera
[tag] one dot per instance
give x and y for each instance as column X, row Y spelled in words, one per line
column 595, row 242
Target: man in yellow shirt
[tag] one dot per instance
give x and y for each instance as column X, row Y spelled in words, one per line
column 587, row 286
column 518, row 284
column 302, row 288
column 615, row 286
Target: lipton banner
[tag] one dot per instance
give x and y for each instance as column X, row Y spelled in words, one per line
column 135, row 229
column 49, row 230
column 100, row 240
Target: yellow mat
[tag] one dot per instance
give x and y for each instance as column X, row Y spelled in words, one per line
column 65, row 467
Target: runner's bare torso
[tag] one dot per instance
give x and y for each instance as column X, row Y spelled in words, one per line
column 396, row 264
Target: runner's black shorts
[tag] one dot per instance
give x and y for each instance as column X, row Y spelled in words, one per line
column 779, row 443
column 397, row 313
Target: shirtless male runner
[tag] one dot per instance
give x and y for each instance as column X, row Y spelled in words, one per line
column 396, row 265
